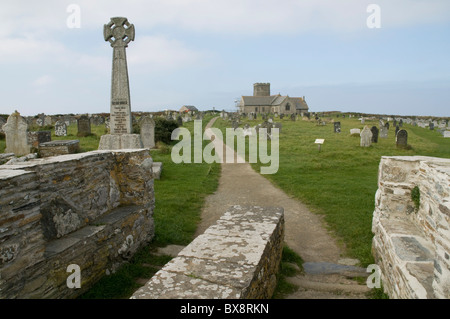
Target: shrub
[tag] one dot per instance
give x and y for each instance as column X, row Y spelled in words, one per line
column 163, row 129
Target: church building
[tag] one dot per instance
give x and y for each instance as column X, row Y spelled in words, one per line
column 263, row 102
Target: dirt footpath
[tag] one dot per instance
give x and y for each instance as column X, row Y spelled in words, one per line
column 305, row 232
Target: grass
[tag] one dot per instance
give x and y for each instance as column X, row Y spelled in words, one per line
column 340, row 181
column 291, row 265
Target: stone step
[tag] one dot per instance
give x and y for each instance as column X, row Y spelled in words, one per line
column 335, row 285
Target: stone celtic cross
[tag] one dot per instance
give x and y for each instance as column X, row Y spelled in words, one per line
column 119, row 32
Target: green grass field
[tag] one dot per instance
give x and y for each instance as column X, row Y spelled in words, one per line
column 340, row 181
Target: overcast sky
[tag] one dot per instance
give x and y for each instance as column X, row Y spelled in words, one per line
column 208, row 53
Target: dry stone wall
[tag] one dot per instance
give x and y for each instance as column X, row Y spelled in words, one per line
column 412, row 243
column 237, row 258
column 91, row 209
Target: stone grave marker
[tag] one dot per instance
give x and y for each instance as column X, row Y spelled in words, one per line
column 366, row 137
column 84, row 126
column 396, row 130
column 337, row 127
column 148, row 132
column 383, row 132
column 387, row 125
column 119, row 33
column 355, row 131
column 15, row 131
column 402, row 138
column 431, row 126
column 446, row 133
column 47, row 120
column 375, row 131
column 60, row 128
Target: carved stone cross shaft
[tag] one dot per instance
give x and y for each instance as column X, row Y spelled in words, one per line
column 119, row 32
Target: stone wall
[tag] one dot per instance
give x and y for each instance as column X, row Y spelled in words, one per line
column 412, row 245
column 91, row 209
column 237, row 258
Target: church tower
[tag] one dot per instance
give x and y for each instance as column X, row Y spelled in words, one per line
column 261, row 89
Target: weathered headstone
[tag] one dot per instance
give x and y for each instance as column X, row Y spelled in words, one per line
column 16, row 135
column 47, row 120
column 337, row 127
column 355, row 131
column 431, row 126
column 446, row 133
column 148, row 132
column 366, row 137
column 396, row 130
column 402, row 138
column 84, row 126
column 387, row 125
column 179, row 120
column 374, row 130
column 383, row 132
column 60, row 128
column 292, row 117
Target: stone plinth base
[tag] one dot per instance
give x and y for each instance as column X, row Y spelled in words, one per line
column 120, row 142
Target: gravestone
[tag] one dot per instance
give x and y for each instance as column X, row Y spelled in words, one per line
column 387, row 125
column 431, row 126
column 60, row 128
column 374, row 130
column 47, row 120
column 292, row 117
column 400, row 123
column 15, row 131
column 119, row 33
column 395, row 122
column 148, row 132
column 396, row 130
column 2, row 122
column 355, row 131
column 337, row 127
column 446, row 133
column 366, row 137
column 383, row 132
column 179, row 120
column 84, row 126
column 402, row 138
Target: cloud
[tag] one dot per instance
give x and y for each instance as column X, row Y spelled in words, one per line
column 158, row 53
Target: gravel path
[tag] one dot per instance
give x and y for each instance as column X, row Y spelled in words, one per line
column 305, row 232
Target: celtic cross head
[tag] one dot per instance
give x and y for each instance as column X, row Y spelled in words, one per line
column 119, row 32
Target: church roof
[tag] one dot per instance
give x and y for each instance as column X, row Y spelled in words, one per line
column 273, row 100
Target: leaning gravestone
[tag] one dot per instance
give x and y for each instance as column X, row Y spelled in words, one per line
column 148, row 132
column 16, row 135
column 84, row 126
column 119, row 32
column 402, row 138
column 366, row 137
column 337, row 127
column 60, row 128
column 374, row 130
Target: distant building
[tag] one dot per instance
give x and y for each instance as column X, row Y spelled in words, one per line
column 186, row 108
column 263, row 102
